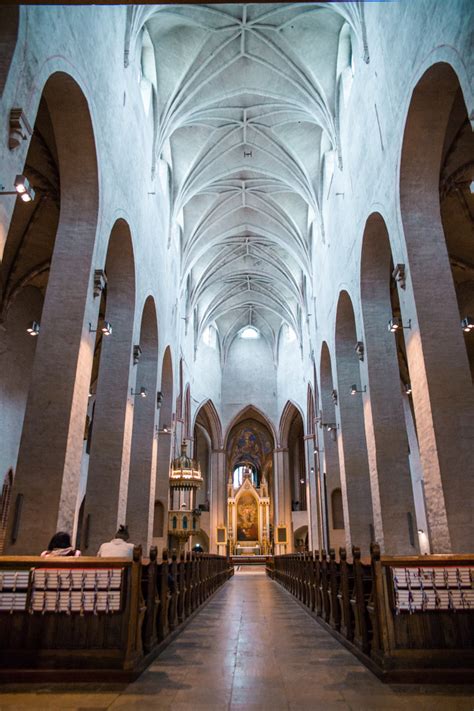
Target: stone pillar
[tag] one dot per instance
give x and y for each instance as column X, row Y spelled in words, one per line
column 282, row 509
column 387, row 444
column 354, row 464
column 142, row 479
column 107, row 484
column 218, row 495
column 311, row 493
column 49, row 459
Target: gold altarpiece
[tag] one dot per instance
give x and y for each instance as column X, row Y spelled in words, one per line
column 248, row 517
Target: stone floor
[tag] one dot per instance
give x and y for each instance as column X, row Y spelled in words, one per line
column 252, row 647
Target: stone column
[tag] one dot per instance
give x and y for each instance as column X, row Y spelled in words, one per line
column 107, row 485
column 218, row 495
column 50, row 453
column 311, row 493
column 387, row 444
column 142, row 479
column 282, row 509
column 354, row 465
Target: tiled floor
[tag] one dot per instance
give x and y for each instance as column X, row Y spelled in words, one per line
column 252, row 647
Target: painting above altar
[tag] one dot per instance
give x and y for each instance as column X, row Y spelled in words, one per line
column 247, row 518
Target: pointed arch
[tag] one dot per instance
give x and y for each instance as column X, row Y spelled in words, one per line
column 290, row 411
column 207, row 410
column 251, row 411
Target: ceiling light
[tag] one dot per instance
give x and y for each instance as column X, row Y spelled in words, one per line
column 250, row 332
column 22, row 188
column 33, row 329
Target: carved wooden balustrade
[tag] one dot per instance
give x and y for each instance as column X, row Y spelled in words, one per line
column 97, row 618
column 408, row 619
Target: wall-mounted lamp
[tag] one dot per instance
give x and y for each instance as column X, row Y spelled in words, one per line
column 33, row 329
column 359, row 349
column 330, row 426
column 420, row 531
column 159, row 399
column 355, row 390
column 143, row 392
column 407, row 389
column 22, row 188
column 137, row 351
column 399, row 275
column 106, row 328
column 334, row 396
column 100, row 281
column 163, row 430
column 395, row 324
column 302, row 481
column 467, row 324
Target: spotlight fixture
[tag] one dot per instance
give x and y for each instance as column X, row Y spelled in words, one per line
column 143, row 392
column 395, row 324
column 467, row 324
column 355, row 390
column 106, row 328
column 407, row 389
column 100, row 281
column 22, row 188
column 399, row 274
column 137, row 351
column 159, row 399
column 33, row 329
column 334, row 396
column 359, row 349
column 302, row 481
column 330, row 426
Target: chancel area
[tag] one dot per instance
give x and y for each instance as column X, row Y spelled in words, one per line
column 237, row 352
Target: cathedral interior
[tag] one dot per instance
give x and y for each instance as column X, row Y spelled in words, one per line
column 237, row 341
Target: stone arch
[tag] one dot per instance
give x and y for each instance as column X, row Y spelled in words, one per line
column 187, row 412
column 49, row 461
column 109, row 461
column 310, row 411
column 387, row 443
column 214, row 428
column 8, row 39
column 143, row 457
column 353, row 458
column 292, row 439
column 436, row 159
column 251, row 411
column 329, row 456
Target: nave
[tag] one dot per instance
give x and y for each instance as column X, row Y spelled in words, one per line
column 251, row 647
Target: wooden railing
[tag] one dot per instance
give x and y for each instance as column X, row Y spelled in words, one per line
column 100, row 618
column 408, row 619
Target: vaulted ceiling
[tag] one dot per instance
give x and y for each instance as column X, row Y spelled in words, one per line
column 244, row 96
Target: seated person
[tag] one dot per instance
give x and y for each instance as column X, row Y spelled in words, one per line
column 60, row 545
column 118, row 546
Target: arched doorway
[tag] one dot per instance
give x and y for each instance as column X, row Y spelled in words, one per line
column 208, row 451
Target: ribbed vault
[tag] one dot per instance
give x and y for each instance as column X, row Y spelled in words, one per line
column 245, row 104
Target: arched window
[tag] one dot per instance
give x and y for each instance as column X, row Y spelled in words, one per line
column 337, row 510
column 175, row 522
column 238, row 475
column 185, row 522
column 147, row 73
column 4, row 508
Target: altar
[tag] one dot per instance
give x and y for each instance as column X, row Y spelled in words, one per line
column 248, row 517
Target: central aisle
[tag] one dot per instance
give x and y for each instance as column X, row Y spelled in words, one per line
column 253, row 647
